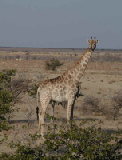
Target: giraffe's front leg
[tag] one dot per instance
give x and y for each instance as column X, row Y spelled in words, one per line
column 44, row 104
column 41, row 122
column 53, row 105
column 69, row 106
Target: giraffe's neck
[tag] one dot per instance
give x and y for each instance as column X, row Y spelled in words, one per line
column 77, row 71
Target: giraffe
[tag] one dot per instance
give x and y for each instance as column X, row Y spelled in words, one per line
column 64, row 87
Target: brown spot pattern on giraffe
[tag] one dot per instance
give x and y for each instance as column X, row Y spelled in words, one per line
column 69, row 76
column 84, row 65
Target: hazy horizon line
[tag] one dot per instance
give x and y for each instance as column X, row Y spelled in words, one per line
column 60, row 48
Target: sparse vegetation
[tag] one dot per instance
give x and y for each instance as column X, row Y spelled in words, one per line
column 112, row 111
column 107, row 57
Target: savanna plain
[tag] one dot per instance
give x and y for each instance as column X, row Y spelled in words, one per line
column 100, row 86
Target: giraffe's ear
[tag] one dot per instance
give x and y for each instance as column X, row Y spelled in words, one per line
column 97, row 41
column 88, row 41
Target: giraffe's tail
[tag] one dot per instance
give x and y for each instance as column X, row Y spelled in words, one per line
column 37, row 95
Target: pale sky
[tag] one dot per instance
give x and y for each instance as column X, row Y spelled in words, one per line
column 60, row 23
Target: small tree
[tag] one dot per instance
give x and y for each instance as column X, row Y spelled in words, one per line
column 52, row 64
column 91, row 103
column 117, row 103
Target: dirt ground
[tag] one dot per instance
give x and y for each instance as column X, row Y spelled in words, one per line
column 102, row 79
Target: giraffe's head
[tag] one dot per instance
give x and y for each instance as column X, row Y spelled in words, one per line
column 92, row 43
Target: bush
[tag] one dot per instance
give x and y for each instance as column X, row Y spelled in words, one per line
column 73, row 143
column 33, row 90
column 6, row 96
column 91, row 103
column 117, row 99
column 53, row 64
column 117, row 103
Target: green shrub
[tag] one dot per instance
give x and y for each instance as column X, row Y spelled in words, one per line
column 53, row 64
column 6, row 96
column 33, row 90
column 74, row 143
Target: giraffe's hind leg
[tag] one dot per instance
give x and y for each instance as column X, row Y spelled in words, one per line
column 44, row 104
column 53, row 105
column 52, row 120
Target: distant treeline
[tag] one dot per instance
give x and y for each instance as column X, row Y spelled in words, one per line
column 100, row 58
column 17, row 49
